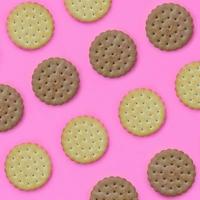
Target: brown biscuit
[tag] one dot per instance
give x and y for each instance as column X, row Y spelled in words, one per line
column 171, row 172
column 114, row 188
column 11, row 107
column 113, row 54
column 169, row 26
column 55, row 81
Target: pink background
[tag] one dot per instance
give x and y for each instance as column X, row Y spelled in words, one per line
column 127, row 156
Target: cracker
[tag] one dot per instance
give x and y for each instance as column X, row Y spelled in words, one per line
column 11, row 107
column 113, row 54
column 28, row 166
column 88, row 10
column 114, row 188
column 169, row 26
column 30, row 25
column 171, row 172
column 142, row 112
column 55, row 81
column 84, row 139
column 188, row 85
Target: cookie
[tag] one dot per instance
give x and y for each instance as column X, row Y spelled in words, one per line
column 88, row 10
column 11, row 107
column 113, row 53
column 28, row 166
column 188, row 85
column 55, row 81
column 84, row 139
column 30, row 25
column 171, row 172
column 114, row 188
column 142, row 112
column 169, row 26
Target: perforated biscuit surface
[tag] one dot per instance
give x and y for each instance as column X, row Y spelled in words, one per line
column 11, row 107
column 55, row 81
column 188, row 85
column 114, row 188
column 142, row 112
column 30, row 25
column 171, row 172
column 84, row 139
column 169, row 26
column 88, row 10
column 28, row 166
column 113, row 53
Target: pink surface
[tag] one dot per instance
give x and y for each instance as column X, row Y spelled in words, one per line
column 127, row 156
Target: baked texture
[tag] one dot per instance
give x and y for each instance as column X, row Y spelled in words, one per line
column 84, row 139
column 30, row 25
column 114, row 188
column 88, row 10
column 55, row 81
column 113, row 53
column 188, row 86
column 169, row 26
column 171, row 172
column 11, row 107
column 142, row 112
column 28, row 166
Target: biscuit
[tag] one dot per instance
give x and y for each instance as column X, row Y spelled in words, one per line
column 188, row 85
column 30, row 25
column 84, row 139
column 142, row 112
column 171, row 172
column 113, row 54
column 28, row 166
column 114, row 188
column 169, row 26
column 11, row 107
column 88, row 10
column 55, row 81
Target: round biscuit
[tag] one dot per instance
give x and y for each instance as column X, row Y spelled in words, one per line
column 28, row 166
column 188, row 85
column 113, row 53
column 55, row 81
column 169, row 26
column 171, row 172
column 88, row 10
column 114, row 188
column 11, row 107
column 84, row 139
column 142, row 112
column 30, row 25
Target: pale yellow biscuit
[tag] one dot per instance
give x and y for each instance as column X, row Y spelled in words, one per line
column 88, row 10
column 30, row 25
column 188, row 85
column 84, row 139
column 28, row 166
column 142, row 112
